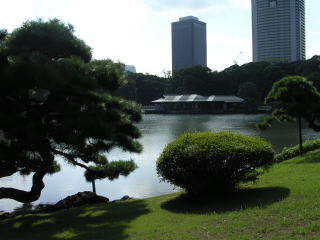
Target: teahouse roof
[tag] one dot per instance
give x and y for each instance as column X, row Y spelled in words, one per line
column 198, row 98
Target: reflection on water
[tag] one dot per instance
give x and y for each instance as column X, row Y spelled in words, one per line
column 157, row 130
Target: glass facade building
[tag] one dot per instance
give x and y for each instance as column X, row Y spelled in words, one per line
column 278, row 30
column 189, row 43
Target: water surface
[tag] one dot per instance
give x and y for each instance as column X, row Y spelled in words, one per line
column 158, row 131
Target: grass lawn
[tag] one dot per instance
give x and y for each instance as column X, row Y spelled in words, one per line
column 283, row 204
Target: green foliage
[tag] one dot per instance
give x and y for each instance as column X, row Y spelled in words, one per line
column 271, row 74
column 290, row 96
column 294, row 98
column 208, row 162
column 110, row 170
column 314, row 77
column 291, row 152
column 195, row 79
column 56, row 102
column 53, row 38
column 283, row 204
column 266, row 123
column 249, row 92
column 3, row 34
column 145, row 88
column 107, row 74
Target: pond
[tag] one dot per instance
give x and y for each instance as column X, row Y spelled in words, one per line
column 158, row 131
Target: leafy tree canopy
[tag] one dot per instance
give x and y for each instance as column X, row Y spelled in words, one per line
column 203, row 81
column 56, row 101
column 249, row 92
column 191, row 80
column 293, row 98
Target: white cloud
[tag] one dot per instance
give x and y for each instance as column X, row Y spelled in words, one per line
column 240, row 4
column 15, row 12
column 119, row 30
column 195, row 5
column 224, row 49
column 127, row 30
column 138, row 32
column 164, row 5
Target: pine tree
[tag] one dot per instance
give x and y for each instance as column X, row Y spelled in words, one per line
column 55, row 101
column 293, row 98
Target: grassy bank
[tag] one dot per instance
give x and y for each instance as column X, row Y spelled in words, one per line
column 283, row 204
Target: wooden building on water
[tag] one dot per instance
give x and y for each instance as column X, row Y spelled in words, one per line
column 198, row 104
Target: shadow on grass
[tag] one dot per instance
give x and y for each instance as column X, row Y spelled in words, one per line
column 103, row 221
column 241, row 199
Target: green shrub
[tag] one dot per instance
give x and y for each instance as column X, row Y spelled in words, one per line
column 208, row 162
column 288, row 153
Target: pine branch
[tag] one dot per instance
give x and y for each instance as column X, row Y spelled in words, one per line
column 71, row 158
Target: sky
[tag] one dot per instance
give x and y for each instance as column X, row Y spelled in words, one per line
column 138, row 32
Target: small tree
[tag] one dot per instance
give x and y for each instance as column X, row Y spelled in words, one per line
column 110, row 170
column 293, row 98
column 55, row 101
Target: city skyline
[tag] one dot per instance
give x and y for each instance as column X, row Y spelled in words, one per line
column 137, row 32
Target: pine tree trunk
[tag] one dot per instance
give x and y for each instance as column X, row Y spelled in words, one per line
column 300, row 137
column 37, row 181
column 94, row 186
column 24, row 196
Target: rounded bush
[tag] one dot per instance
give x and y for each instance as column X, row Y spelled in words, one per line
column 207, row 162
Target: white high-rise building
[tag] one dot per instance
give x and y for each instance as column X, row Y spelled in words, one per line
column 278, row 30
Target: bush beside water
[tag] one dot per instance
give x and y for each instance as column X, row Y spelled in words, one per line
column 207, row 162
column 288, row 153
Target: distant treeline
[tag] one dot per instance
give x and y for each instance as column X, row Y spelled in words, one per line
column 251, row 81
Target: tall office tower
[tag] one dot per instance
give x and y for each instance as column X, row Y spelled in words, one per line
column 189, row 43
column 278, row 30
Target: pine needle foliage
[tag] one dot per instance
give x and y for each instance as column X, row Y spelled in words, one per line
column 56, row 101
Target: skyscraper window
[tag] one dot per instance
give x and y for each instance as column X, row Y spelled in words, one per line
column 273, row 3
